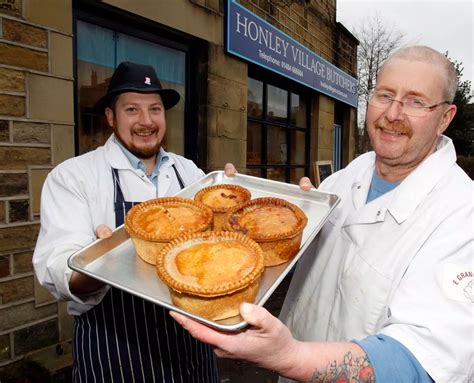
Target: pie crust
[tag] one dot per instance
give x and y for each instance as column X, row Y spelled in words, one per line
column 274, row 223
column 152, row 224
column 220, row 198
column 210, row 274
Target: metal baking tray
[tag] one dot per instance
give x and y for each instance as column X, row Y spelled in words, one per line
column 114, row 261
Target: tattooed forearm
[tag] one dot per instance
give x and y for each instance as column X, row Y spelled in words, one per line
column 351, row 369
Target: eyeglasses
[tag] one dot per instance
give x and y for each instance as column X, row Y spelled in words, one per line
column 411, row 106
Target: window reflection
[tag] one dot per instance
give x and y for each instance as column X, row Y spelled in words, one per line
column 277, row 104
column 277, row 148
column 296, row 174
column 298, row 111
column 254, row 172
column 298, row 141
column 254, row 143
column 276, row 174
column 255, row 98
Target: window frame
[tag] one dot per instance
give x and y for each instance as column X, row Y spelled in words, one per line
column 265, row 123
column 195, row 50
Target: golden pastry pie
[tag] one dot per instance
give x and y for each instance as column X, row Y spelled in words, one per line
column 210, row 274
column 275, row 224
column 154, row 223
column 220, row 198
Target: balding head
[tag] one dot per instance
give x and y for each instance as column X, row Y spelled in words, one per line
column 430, row 56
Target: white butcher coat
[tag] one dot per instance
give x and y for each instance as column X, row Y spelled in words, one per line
column 78, row 196
column 400, row 265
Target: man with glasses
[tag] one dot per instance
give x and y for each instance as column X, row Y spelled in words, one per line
column 386, row 292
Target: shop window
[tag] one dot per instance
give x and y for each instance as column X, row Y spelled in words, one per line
column 277, row 132
column 99, row 51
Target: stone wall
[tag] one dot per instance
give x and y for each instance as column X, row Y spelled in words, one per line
column 226, row 110
column 36, row 133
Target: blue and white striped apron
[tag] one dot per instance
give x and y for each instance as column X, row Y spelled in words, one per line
column 127, row 339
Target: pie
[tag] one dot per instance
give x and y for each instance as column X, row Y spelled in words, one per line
column 220, row 198
column 274, row 223
column 210, row 274
column 152, row 224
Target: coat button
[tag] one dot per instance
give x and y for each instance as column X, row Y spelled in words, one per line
column 378, row 213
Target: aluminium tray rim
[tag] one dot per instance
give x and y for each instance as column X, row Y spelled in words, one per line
column 120, row 232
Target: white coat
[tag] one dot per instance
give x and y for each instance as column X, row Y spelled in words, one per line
column 78, row 196
column 400, row 265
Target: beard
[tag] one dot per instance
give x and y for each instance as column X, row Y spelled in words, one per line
column 401, row 127
column 141, row 153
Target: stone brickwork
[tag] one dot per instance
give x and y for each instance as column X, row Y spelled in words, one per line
column 325, row 128
column 36, row 99
column 226, row 110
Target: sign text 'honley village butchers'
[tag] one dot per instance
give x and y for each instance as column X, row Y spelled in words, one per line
column 254, row 39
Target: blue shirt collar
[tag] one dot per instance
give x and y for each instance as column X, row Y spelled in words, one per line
column 379, row 187
column 138, row 164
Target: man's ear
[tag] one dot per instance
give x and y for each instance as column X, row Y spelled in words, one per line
column 446, row 119
column 109, row 115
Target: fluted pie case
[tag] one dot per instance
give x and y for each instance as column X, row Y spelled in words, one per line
column 114, row 260
column 154, row 223
column 274, row 223
column 221, row 198
column 210, row 274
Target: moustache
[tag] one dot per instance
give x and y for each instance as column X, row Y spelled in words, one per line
column 396, row 127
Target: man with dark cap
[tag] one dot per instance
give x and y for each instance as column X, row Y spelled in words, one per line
column 118, row 336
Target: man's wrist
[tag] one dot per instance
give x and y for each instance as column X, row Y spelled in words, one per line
column 80, row 284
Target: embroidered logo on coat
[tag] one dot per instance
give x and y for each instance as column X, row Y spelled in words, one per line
column 458, row 283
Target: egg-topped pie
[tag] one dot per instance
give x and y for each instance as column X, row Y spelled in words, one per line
column 275, row 224
column 210, row 274
column 221, row 198
column 154, row 223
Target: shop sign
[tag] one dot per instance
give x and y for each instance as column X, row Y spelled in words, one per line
column 253, row 39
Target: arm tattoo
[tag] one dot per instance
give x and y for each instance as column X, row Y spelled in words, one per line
column 350, row 370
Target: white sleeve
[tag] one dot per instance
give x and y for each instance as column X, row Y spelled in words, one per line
column 431, row 311
column 66, row 226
